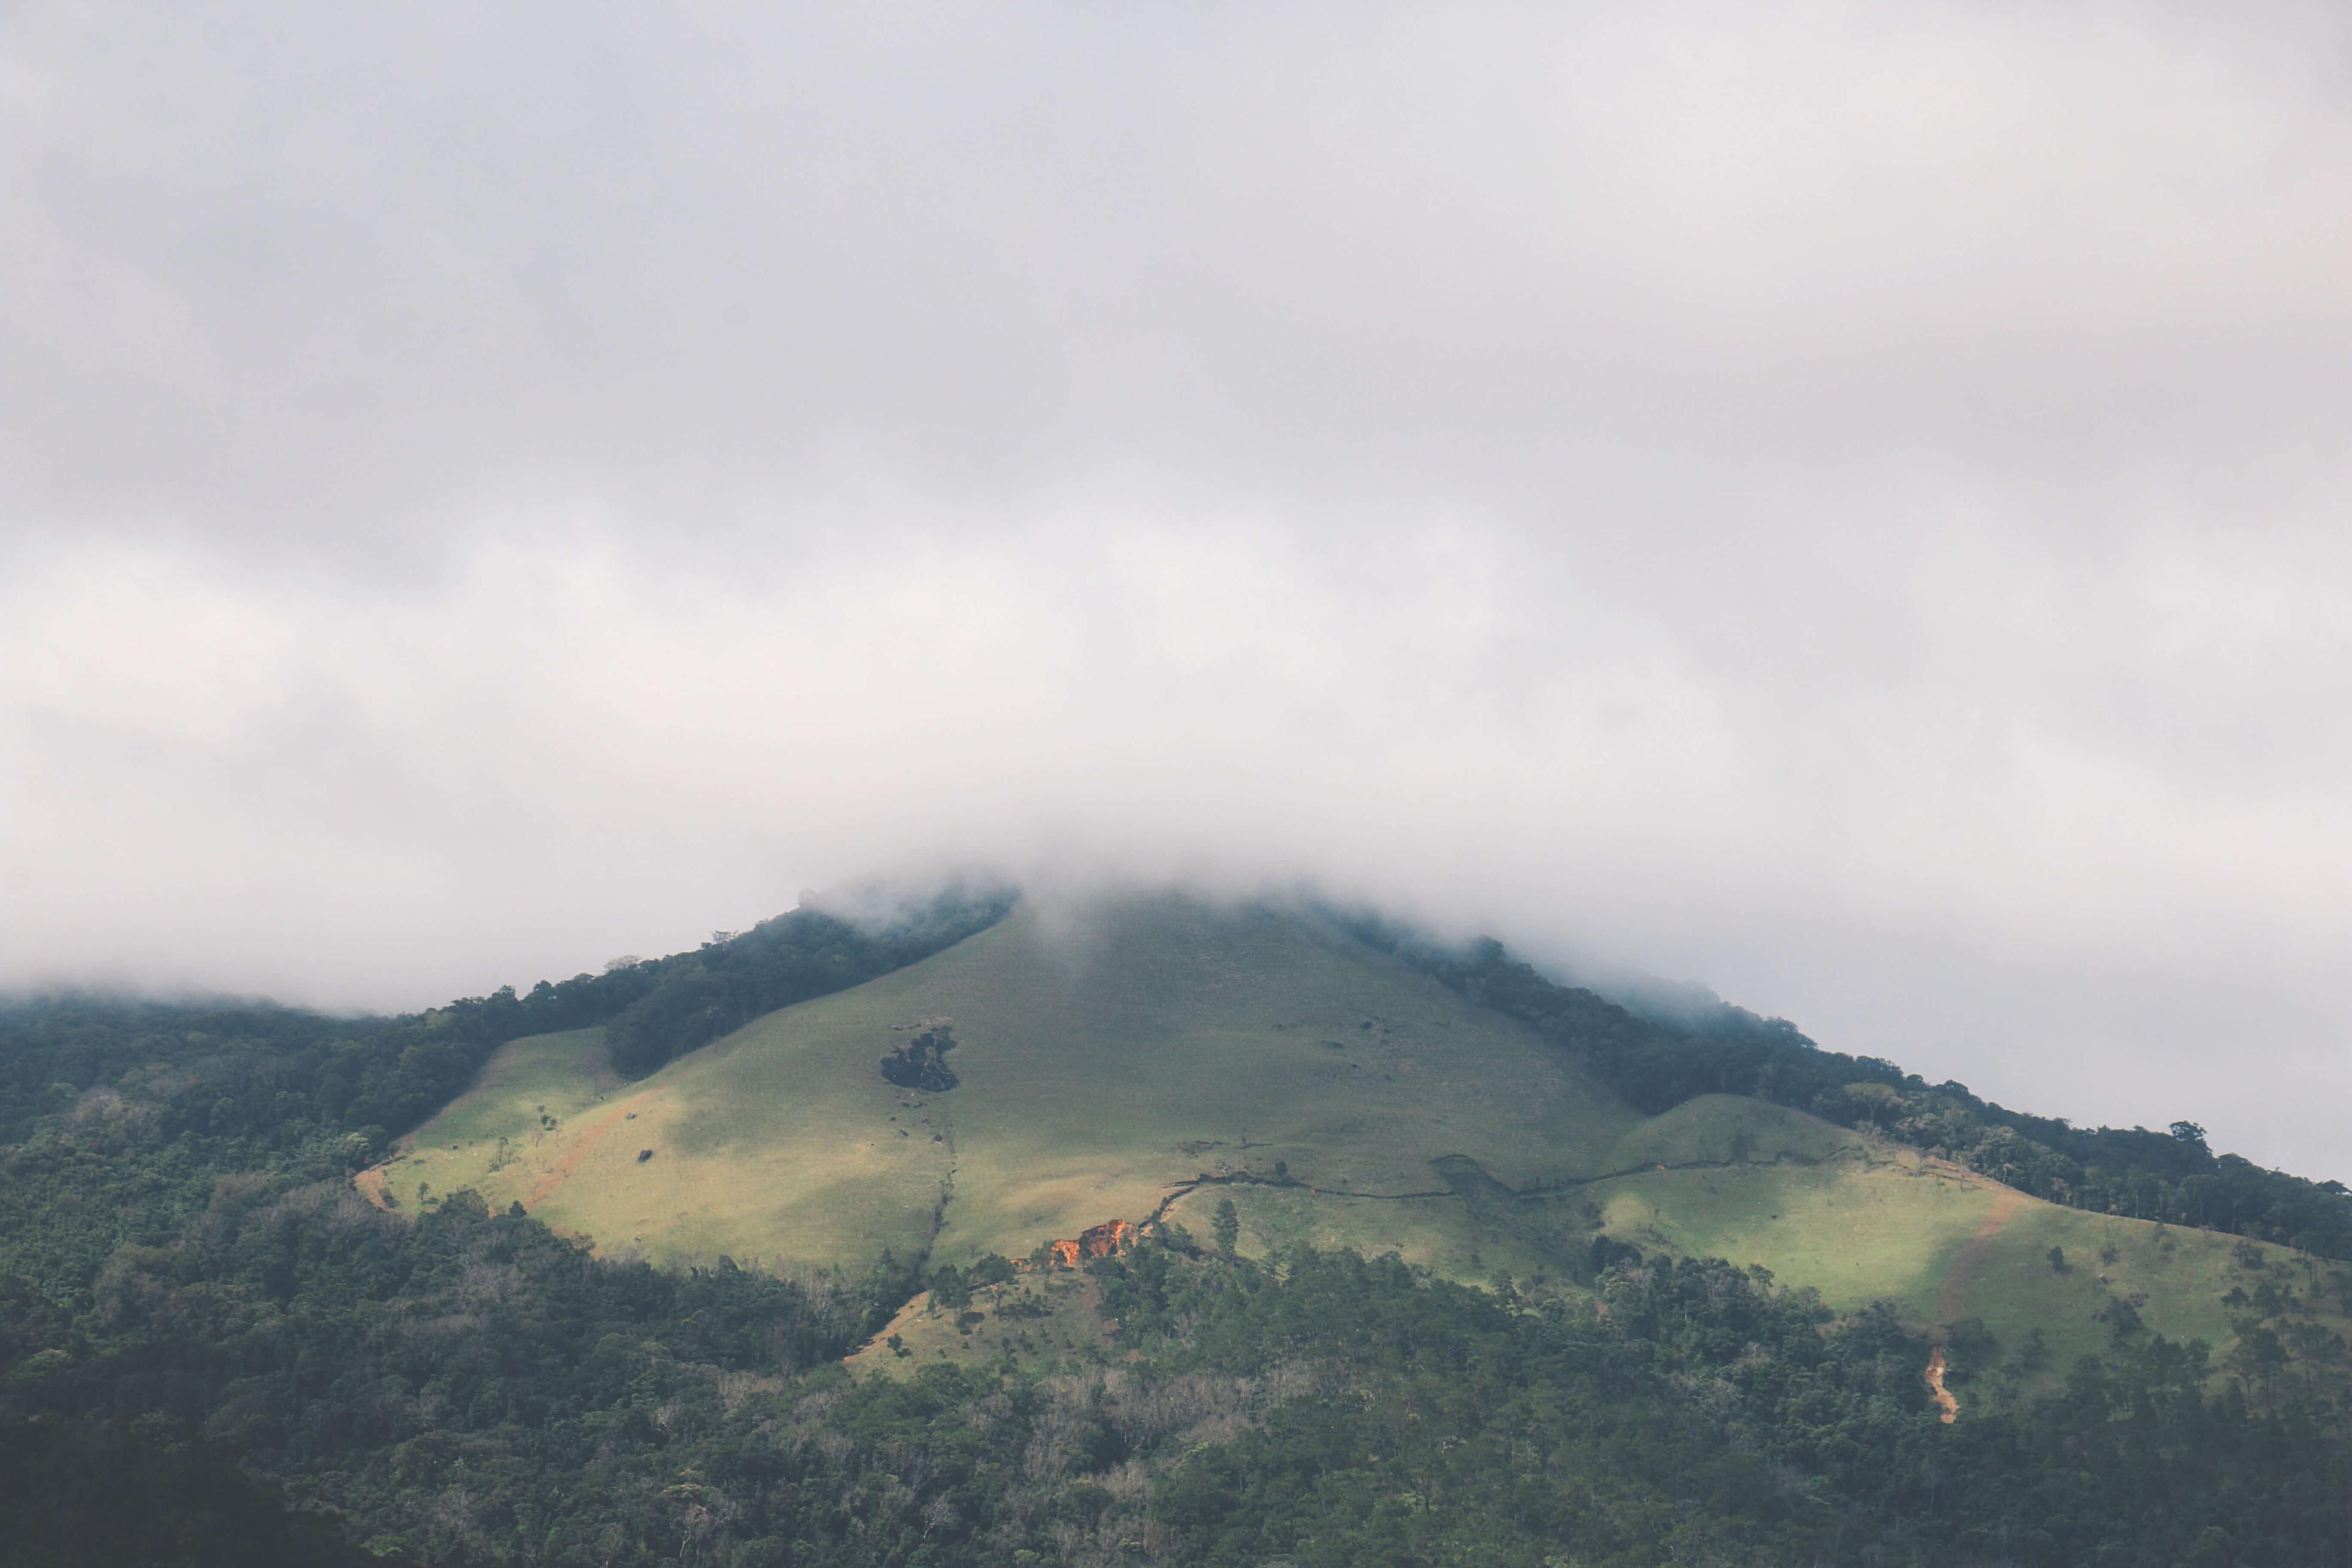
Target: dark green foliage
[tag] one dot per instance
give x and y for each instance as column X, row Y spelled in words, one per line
column 1225, row 1227
column 700, row 996
column 275, row 1077
column 471, row 1385
column 116, row 1117
column 1694, row 1413
column 921, row 1063
column 128, row 1495
column 949, row 1288
column 2170, row 1176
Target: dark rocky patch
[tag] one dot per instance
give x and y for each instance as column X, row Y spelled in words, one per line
column 922, row 1062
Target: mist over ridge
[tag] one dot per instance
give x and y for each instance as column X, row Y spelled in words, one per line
column 1844, row 510
column 1301, row 783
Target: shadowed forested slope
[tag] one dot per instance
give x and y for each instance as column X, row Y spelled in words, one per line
column 207, row 1090
column 89, row 1495
column 277, row 1074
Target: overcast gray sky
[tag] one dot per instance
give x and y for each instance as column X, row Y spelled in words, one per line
column 1846, row 504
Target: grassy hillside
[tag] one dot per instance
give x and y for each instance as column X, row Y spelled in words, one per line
column 1100, row 1062
column 1876, row 1221
column 1155, row 1056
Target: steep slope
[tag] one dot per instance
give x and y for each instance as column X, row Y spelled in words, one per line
column 1862, row 1219
column 1155, row 1056
column 1100, row 1058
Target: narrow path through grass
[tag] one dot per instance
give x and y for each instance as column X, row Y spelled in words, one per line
column 1952, row 1290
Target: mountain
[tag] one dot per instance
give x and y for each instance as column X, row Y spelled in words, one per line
column 1141, row 1058
column 995, row 1231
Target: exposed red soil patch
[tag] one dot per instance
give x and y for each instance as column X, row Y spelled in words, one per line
column 1936, row 1389
column 1108, row 1239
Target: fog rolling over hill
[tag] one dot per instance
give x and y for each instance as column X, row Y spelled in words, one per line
column 1408, row 543
column 1141, row 1056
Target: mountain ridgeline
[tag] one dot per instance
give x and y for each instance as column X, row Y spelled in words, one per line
column 631, row 1268
column 267, row 1072
column 2172, row 1177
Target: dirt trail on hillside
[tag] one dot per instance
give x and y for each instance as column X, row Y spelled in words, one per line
column 570, row 1158
column 1949, row 1406
column 1976, row 1255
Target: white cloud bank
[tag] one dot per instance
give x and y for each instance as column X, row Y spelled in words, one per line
column 1844, row 505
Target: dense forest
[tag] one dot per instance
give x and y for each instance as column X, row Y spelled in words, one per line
column 211, row 1351
column 2170, row 1176
column 464, row 1387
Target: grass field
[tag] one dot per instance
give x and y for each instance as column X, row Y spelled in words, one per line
column 1155, row 1053
column 1100, row 1065
column 1048, row 1320
column 1944, row 1245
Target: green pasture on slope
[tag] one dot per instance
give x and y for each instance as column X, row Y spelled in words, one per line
column 1103, row 1058
column 1155, row 1053
column 1878, row 1221
column 1044, row 1320
column 1437, row 1232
